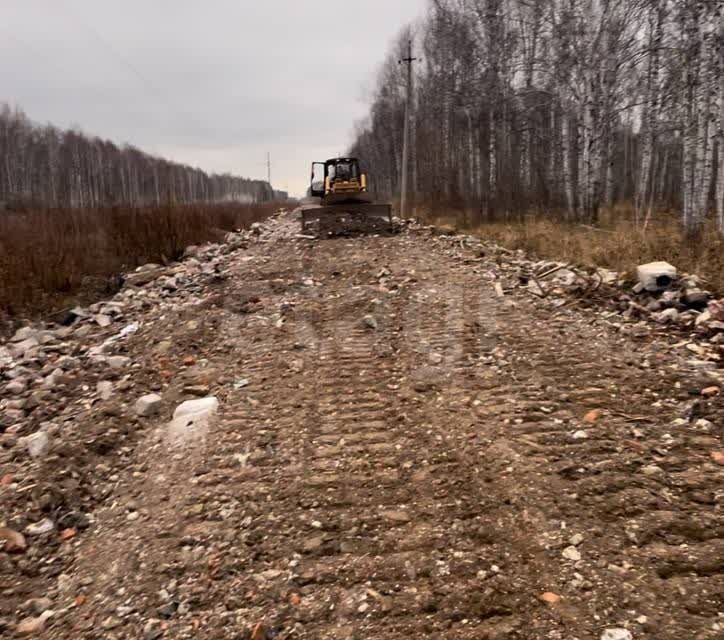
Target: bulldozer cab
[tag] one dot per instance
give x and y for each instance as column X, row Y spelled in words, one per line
column 328, row 176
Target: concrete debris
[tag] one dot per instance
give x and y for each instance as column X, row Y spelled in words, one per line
column 616, row 634
column 37, row 444
column 40, row 528
column 301, row 427
column 656, row 276
column 148, row 405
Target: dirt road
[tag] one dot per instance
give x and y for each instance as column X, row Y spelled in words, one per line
column 398, row 453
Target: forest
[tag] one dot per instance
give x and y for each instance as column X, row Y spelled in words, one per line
column 44, row 166
column 562, row 109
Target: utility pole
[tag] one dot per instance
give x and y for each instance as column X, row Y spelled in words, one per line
column 268, row 167
column 406, row 137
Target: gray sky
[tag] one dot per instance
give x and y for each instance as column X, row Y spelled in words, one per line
column 214, row 84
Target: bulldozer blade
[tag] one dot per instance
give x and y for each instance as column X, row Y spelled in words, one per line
column 347, row 218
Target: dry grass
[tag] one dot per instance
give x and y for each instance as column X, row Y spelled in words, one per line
column 616, row 244
column 52, row 258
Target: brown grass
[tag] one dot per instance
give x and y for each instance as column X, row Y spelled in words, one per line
column 616, row 244
column 50, row 259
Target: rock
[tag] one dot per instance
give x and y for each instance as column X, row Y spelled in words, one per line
column 666, row 316
column 656, row 276
column 19, row 349
column 16, row 387
column 616, row 634
column 550, row 597
column 571, row 553
column 104, row 389
column 40, row 528
column 192, row 415
column 38, row 606
column 148, row 405
column 370, row 322
column 32, row 626
column 36, row 444
column 12, row 541
column 695, row 298
column 152, row 630
column 716, row 310
column 710, row 392
column 592, row 416
column 399, row 517
column 576, row 539
column 651, row 470
column 143, row 275
column 103, row 320
column 580, row 435
column 703, row 318
column 118, row 362
column 24, row 333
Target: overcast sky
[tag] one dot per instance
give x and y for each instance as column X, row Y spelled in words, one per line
column 215, row 84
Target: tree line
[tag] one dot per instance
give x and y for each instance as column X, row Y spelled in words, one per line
column 48, row 167
column 565, row 105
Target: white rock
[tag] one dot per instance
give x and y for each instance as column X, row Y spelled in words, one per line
column 580, row 435
column 191, row 419
column 576, row 539
column 571, row 553
column 616, row 634
column 103, row 320
column 118, row 362
column 37, row 444
column 666, row 316
column 40, row 528
column 148, row 405
column 656, row 276
column 104, row 389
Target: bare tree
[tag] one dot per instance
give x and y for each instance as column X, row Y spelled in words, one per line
column 49, row 167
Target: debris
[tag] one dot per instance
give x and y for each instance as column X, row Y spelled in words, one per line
column 16, row 387
column 36, row 444
column 616, row 634
column 31, row 626
column 576, row 539
column 104, row 389
column 40, row 528
column 148, row 405
column 571, row 553
column 550, row 597
column 656, row 276
column 12, row 541
column 192, row 417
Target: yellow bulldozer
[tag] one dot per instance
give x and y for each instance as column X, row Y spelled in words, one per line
column 339, row 201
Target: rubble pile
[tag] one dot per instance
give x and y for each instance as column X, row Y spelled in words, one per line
column 655, row 298
column 55, row 377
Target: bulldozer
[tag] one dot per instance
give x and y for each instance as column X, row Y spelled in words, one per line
column 339, row 201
